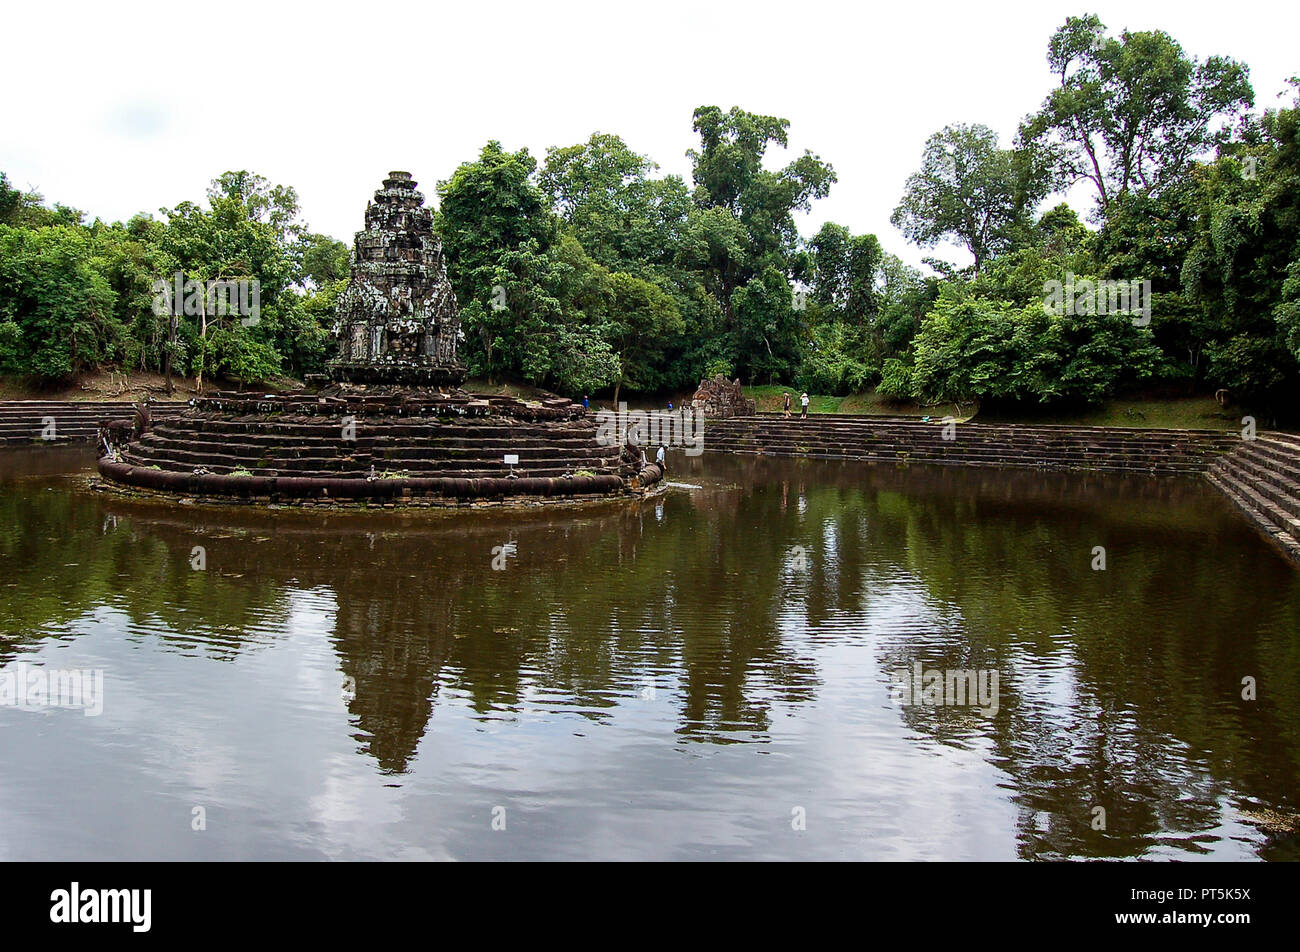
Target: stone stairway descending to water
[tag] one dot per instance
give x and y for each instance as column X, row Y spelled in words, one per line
column 902, row 440
column 1262, row 476
column 312, row 447
column 23, row 422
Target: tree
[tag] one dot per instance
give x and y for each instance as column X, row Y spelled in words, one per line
column 746, row 223
column 496, row 230
column 262, row 201
column 971, row 347
column 642, row 320
column 56, row 308
column 250, row 232
column 1243, row 259
column 973, row 192
column 767, row 329
column 523, row 286
column 1134, row 111
column 27, row 209
column 324, row 259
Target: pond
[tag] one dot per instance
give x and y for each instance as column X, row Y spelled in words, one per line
column 740, row 668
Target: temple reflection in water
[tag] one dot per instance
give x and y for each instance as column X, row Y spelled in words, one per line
column 745, row 613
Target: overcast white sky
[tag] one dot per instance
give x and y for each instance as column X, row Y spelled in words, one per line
column 118, row 108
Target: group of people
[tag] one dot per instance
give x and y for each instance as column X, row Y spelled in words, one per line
column 803, row 402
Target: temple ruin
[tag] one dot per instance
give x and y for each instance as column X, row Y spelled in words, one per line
column 397, row 320
column 719, row 398
column 387, row 423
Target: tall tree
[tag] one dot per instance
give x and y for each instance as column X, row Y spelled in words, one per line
column 732, row 185
column 520, row 283
column 972, row 192
column 1241, row 270
column 1134, row 110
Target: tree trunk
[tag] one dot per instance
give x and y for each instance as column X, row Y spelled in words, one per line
column 167, row 352
column 203, row 351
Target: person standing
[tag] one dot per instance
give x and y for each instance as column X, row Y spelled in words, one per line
column 661, row 458
column 803, row 414
column 585, row 405
column 786, row 409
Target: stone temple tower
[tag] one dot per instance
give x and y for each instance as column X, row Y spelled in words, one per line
column 397, row 320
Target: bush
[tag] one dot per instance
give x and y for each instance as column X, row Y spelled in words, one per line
column 896, row 380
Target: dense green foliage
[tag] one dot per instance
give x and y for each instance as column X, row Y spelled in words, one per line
column 585, row 270
column 76, row 296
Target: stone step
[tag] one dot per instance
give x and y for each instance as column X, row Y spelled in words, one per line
column 331, row 432
column 1282, row 466
column 967, row 435
column 22, row 422
column 951, row 450
column 486, row 446
column 1280, row 491
column 861, row 420
column 1054, row 462
column 359, row 472
column 261, row 449
column 957, row 448
column 215, row 456
column 1273, row 521
column 1158, row 452
column 867, row 424
column 432, row 454
column 1273, row 457
column 1291, row 441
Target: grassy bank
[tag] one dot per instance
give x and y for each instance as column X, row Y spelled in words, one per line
column 771, row 398
column 1199, row 412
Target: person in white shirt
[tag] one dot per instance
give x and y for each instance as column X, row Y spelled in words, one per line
column 661, row 459
column 803, row 402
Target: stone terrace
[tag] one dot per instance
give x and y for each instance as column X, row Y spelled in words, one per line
column 24, row 421
column 849, row 437
column 461, row 437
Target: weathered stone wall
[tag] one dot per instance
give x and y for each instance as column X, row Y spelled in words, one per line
column 1262, row 478
column 1100, row 449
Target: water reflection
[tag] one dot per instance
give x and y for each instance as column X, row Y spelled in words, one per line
column 669, row 679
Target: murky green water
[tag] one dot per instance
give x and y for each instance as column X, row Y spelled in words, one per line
column 704, row 675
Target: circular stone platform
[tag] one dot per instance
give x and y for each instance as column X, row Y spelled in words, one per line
column 402, row 446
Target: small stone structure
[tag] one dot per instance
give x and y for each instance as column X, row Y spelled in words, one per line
column 721, row 399
column 397, row 318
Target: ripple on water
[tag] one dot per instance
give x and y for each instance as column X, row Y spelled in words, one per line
column 673, row 681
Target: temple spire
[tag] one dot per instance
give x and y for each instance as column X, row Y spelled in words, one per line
column 397, row 320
